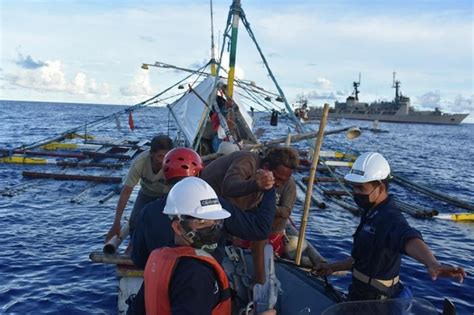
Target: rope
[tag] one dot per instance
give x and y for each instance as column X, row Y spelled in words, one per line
column 96, row 122
column 299, row 126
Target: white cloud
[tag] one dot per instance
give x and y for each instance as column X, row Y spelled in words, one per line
column 51, row 78
column 140, row 87
column 431, row 50
column 324, row 84
column 239, row 71
column 429, row 100
column 432, row 99
column 321, row 95
column 464, row 104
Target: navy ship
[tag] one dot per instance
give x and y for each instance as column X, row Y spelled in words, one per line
column 399, row 110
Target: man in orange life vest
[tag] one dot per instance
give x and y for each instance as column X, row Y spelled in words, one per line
column 187, row 279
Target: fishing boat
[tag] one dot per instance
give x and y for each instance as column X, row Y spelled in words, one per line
column 290, row 288
column 398, row 110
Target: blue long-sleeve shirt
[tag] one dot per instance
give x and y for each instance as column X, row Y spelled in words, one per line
column 154, row 228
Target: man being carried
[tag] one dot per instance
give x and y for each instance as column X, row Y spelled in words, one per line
column 241, row 177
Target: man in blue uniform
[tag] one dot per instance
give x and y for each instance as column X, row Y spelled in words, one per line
column 154, row 227
column 186, row 278
column 382, row 236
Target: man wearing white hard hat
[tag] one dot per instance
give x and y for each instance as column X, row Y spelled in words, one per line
column 155, row 230
column 187, row 279
column 382, row 236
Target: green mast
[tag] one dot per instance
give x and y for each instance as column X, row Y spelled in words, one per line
column 236, row 9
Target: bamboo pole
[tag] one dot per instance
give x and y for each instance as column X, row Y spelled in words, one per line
column 116, row 259
column 351, row 132
column 108, row 196
column 112, row 245
column 309, row 191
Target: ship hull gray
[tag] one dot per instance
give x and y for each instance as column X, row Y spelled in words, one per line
column 443, row 119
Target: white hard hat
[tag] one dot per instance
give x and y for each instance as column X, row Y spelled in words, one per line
column 368, row 167
column 194, row 197
column 227, row 148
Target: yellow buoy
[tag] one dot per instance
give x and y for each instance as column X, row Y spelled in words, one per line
column 463, row 216
column 456, row 216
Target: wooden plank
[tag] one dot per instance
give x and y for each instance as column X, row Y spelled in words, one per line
column 90, row 164
column 102, row 155
column 59, row 176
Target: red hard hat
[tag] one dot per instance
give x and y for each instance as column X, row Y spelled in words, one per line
column 181, row 162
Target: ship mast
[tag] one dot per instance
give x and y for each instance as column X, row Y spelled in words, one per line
column 396, row 86
column 356, row 88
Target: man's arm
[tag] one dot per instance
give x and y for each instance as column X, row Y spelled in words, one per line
column 251, row 225
column 418, row 249
column 240, row 179
column 326, row 269
column 122, row 202
column 132, row 179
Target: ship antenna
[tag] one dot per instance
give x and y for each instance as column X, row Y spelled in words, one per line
column 356, row 88
column 396, row 86
column 213, row 54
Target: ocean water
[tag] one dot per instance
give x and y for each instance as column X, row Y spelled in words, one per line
column 45, row 238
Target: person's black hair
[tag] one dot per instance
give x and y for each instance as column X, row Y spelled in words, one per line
column 386, row 182
column 285, row 156
column 161, row 142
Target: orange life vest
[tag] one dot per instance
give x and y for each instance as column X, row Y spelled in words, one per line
column 159, row 271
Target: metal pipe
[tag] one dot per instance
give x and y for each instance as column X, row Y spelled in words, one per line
column 112, row 245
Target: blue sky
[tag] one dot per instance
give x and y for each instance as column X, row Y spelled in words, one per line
column 91, row 51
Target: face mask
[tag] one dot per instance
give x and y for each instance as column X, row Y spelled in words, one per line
column 205, row 238
column 363, row 201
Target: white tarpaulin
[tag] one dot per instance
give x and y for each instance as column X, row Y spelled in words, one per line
column 189, row 110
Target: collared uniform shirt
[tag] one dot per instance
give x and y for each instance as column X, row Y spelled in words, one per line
column 380, row 239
